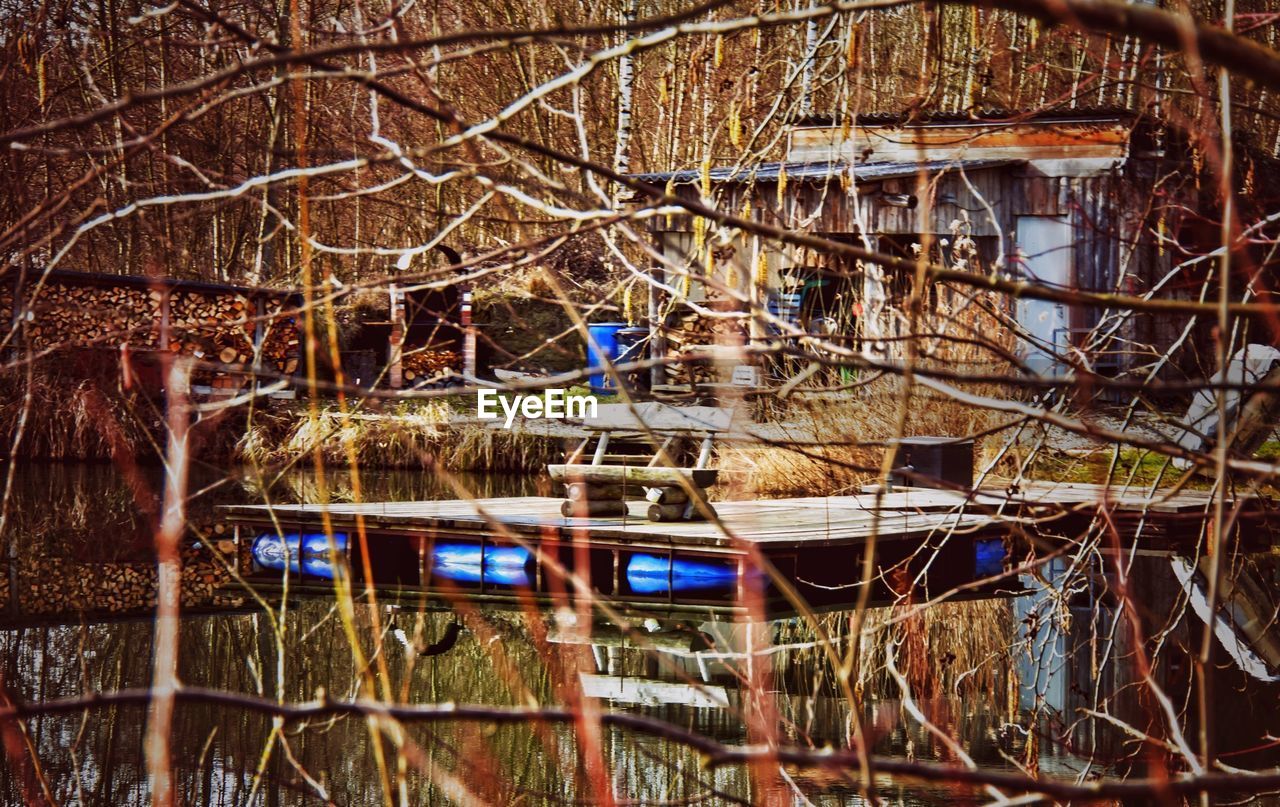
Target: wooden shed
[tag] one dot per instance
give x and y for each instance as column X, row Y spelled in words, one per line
column 1091, row 201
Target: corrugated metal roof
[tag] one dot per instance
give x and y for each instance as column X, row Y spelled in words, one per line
column 822, row 171
column 962, row 116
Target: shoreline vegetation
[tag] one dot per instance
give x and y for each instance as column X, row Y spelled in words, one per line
column 814, row 443
column 810, row 444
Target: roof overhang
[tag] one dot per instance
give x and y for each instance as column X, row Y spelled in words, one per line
column 825, row 171
column 1103, row 138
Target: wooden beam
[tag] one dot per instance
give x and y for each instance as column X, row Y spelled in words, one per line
column 623, row 474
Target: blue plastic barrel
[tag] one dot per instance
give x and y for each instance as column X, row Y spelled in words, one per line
column 655, row 574
column 604, row 335
column 631, row 344
column 307, row 553
column 471, row 563
column 786, row 307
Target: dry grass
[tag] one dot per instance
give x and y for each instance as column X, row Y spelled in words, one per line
column 84, row 416
column 835, row 443
column 958, row 648
column 69, row 418
column 410, row 436
column 955, row 649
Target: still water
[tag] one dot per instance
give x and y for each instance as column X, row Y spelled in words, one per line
column 225, row 756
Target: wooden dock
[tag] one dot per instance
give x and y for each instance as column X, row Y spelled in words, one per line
column 773, row 522
column 957, row 539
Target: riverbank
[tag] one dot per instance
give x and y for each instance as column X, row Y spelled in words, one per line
column 417, row 434
column 810, row 444
column 71, row 415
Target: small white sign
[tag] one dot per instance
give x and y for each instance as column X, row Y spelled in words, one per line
column 744, row 375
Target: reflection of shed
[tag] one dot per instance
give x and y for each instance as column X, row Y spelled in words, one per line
column 1076, row 202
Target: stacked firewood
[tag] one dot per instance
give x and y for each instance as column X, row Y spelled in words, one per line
column 691, row 333
column 211, row 327
column 280, row 344
column 214, row 327
column 220, row 328
column 6, row 304
column 428, row 365
column 63, row 315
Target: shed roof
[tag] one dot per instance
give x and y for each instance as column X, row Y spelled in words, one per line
column 819, row 171
column 151, row 282
column 961, row 116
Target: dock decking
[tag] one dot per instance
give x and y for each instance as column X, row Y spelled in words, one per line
column 813, row 522
column 499, row 549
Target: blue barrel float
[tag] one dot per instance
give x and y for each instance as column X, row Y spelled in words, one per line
column 307, row 553
column 471, row 563
column 603, row 345
column 660, row 574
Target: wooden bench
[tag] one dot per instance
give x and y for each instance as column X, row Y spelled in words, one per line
column 600, row 488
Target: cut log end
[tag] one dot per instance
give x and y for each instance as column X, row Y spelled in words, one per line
column 675, row 512
column 592, row 509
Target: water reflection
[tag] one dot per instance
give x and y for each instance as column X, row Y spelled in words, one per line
column 498, row 659
column 80, row 538
column 689, row 671
column 473, row 563
column 653, row 574
column 98, row 512
column 310, row 554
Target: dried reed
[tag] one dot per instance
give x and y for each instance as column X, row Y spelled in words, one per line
column 406, row 437
column 834, row 443
column 69, row 418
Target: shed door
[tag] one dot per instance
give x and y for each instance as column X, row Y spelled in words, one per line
column 1045, row 257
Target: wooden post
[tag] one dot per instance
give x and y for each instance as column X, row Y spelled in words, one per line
column 165, row 294
column 468, row 335
column 704, row 453
column 602, row 448
column 259, row 330
column 259, row 336
column 16, row 313
column 657, row 343
column 755, row 301
column 395, row 342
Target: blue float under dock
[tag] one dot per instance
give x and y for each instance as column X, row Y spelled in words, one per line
column 508, row 548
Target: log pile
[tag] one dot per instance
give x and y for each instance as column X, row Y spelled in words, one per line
column 280, row 349
column 49, row 585
column 691, row 333
column 594, row 491
column 666, row 502
column 78, row 315
column 429, row 365
column 212, row 326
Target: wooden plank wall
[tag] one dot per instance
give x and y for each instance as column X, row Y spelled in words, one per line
column 1111, row 214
